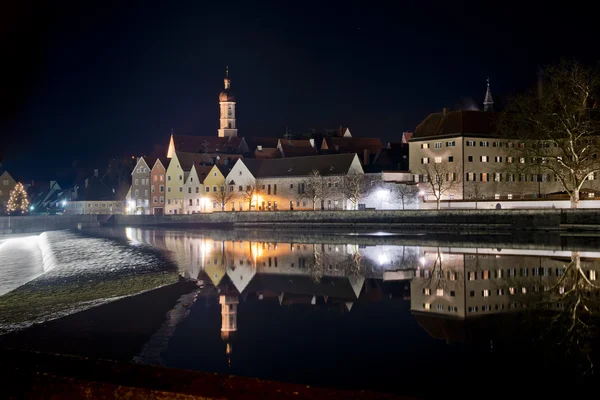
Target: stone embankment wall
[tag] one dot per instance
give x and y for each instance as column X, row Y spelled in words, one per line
column 552, row 219
column 39, row 223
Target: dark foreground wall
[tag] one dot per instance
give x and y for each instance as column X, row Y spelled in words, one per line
column 553, row 219
column 46, row 223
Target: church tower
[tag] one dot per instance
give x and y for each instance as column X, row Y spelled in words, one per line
column 488, row 102
column 227, row 105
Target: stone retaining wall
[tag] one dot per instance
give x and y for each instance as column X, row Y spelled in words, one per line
column 42, row 223
column 549, row 219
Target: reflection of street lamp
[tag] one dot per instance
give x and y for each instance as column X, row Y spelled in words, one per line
column 64, row 203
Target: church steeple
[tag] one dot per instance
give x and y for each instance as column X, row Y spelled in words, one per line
column 227, row 109
column 488, row 102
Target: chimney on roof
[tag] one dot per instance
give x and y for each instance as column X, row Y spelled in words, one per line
column 444, row 111
column 95, row 173
column 366, row 157
column 259, row 147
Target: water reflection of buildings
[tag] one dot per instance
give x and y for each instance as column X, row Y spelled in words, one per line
column 449, row 287
column 455, row 290
column 328, row 275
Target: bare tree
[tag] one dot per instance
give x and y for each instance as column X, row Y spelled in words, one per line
column 250, row 193
column 355, row 188
column 475, row 190
column 442, row 178
column 223, row 195
column 406, row 193
column 558, row 129
column 313, row 188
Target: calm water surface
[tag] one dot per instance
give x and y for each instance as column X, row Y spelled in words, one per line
column 401, row 314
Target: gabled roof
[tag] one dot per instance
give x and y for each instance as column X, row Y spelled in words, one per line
column 207, row 144
column 463, row 122
column 353, row 145
column 331, row 164
column 202, row 171
column 164, row 161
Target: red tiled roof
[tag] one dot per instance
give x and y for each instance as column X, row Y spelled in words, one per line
column 188, row 159
column 207, row 144
column 253, row 142
column 267, row 152
column 353, row 145
column 462, row 122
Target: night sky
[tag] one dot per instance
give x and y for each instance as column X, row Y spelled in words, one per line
column 83, row 81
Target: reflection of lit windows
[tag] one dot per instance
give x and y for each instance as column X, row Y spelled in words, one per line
column 561, row 289
column 511, row 290
column 486, row 293
column 426, row 306
column 439, row 292
column 426, row 291
column 452, row 276
column 485, row 274
column 472, row 276
column 592, row 275
column 524, row 290
column 500, row 292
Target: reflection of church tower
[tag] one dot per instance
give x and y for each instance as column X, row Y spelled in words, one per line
column 227, row 110
column 229, row 303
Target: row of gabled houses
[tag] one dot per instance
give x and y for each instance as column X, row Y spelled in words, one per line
column 185, row 184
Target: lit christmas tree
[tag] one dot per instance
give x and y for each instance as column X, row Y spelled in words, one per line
column 18, row 200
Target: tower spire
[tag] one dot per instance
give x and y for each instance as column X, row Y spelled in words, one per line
column 488, row 102
column 227, row 81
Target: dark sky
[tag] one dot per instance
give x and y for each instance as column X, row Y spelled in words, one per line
column 92, row 80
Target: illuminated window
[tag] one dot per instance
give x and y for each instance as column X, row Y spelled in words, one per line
column 426, row 306
column 500, row 292
column 438, row 160
column 483, row 177
column 426, row 291
column 472, row 276
column 452, row 276
column 561, row 289
column 524, row 290
column 485, row 293
column 424, row 145
column 439, row 292
column 511, row 290
column 592, row 274
column 425, row 160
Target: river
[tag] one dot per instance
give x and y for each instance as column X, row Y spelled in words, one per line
column 403, row 314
